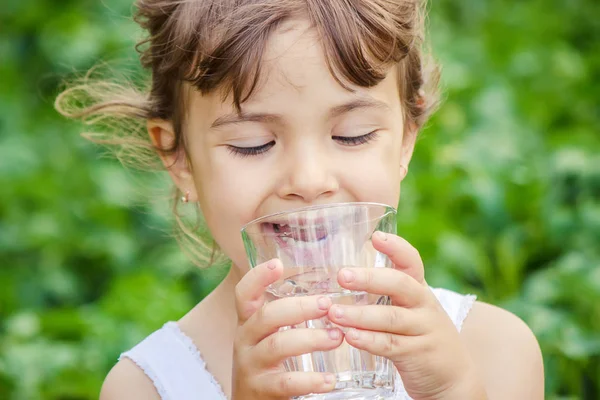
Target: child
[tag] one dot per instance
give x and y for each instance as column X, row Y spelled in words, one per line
column 262, row 106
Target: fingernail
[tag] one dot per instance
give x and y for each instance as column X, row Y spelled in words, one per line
column 348, row 275
column 334, row 334
column 338, row 312
column 380, row 236
column 323, row 302
column 329, row 378
column 272, row 265
column 353, row 334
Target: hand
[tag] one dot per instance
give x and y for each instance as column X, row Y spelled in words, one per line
column 260, row 348
column 415, row 332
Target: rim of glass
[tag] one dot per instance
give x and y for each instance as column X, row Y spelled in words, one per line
column 318, row 207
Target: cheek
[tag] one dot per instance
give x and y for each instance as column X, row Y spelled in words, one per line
column 221, row 210
column 374, row 176
column 235, row 186
column 228, row 195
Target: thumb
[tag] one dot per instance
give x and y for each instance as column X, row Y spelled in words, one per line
column 249, row 292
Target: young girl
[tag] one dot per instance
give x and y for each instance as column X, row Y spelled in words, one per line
column 261, row 106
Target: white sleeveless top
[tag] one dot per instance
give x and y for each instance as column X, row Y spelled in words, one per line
column 175, row 366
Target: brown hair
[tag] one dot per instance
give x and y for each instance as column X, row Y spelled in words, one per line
column 218, row 44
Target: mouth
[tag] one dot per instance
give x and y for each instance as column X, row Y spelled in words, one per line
column 299, row 232
column 304, row 242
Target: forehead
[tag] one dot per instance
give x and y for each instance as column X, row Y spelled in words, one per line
column 293, row 56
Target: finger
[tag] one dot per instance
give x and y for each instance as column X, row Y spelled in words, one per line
column 404, row 256
column 381, row 344
column 249, row 292
column 284, row 312
column 289, row 384
column 397, row 320
column 274, row 349
column 402, row 288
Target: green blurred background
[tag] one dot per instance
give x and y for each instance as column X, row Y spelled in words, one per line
column 502, row 199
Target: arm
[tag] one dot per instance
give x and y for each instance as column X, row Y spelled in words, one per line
column 126, row 381
column 506, row 352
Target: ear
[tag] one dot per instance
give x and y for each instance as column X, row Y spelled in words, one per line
column 163, row 136
column 408, row 146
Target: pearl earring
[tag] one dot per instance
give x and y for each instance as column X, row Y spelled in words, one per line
column 186, row 198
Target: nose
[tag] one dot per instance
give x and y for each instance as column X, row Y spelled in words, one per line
column 309, row 176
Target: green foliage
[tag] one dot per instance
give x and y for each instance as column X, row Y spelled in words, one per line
column 501, row 200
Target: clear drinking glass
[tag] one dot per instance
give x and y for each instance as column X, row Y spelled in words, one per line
column 313, row 243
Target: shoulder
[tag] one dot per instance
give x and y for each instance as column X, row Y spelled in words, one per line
column 506, row 351
column 126, row 381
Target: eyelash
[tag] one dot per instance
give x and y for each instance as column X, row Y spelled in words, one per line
column 356, row 140
column 344, row 140
column 251, row 151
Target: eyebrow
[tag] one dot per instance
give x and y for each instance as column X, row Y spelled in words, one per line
column 236, row 118
column 365, row 102
column 240, row 117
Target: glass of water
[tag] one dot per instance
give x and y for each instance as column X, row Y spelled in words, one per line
column 313, row 243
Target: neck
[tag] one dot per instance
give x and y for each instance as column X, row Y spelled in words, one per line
column 211, row 325
column 218, row 307
column 227, row 286
column 225, row 291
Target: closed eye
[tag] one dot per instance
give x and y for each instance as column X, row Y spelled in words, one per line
column 344, row 140
column 356, row 140
column 250, row 151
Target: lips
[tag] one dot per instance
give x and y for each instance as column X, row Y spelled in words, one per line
column 298, row 233
column 305, row 242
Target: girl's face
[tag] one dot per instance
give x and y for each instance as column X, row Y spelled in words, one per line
column 302, row 139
